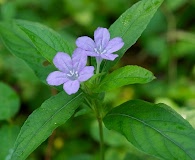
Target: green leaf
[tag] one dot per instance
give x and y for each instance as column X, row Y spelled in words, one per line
column 9, row 102
column 20, row 45
column 130, row 25
column 40, row 124
column 124, row 76
column 8, row 135
column 46, row 41
column 153, row 128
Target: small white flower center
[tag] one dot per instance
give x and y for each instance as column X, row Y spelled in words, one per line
column 73, row 75
column 99, row 50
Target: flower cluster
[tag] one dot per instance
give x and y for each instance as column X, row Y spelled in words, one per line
column 73, row 71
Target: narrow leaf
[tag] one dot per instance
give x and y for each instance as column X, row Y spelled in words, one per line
column 20, row 45
column 46, row 41
column 124, row 76
column 130, row 25
column 41, row 123
column 153, row 128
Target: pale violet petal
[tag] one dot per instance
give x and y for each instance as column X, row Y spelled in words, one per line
column 56, row 78
column 86, row 73
column 79, row 59
column 101, row 37
column 114, row 45
column 109, row 56
column 63, row 62
column 71, row 87
column 92, row 54
column 85, row 43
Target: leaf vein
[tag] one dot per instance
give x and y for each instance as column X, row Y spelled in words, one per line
column 119, row 114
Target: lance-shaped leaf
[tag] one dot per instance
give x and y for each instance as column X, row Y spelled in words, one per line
column 46, row 41
column 41, row 123
column 21, row 46
column 124, row 76
column 130, row 25
column 153, row 128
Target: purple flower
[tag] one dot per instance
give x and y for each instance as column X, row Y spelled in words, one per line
column 71, row 71
column 102, row 46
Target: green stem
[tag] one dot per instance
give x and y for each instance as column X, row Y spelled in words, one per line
column 98, row 68
column 98, row 113
column 101, row 138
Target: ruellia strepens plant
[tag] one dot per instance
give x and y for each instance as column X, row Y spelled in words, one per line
column 80, row 72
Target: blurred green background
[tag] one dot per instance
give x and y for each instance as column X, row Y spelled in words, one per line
column 167, row 48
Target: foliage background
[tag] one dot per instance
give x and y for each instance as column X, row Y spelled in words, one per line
column 166, row 48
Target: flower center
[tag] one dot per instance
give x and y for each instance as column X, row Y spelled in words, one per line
column 99, row 50
column 72, row 75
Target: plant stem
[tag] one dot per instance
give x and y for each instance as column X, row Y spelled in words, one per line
column 101, row 138
column 98, row 112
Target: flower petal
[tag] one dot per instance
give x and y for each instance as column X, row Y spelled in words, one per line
column 109, row 56
column 63, row 62
column 71, row 87
column 79, row 59
column 56, row 78
column 85, row 43
column 114, row 45
column 101, row 37
column 86, row 73
column 92, row 54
